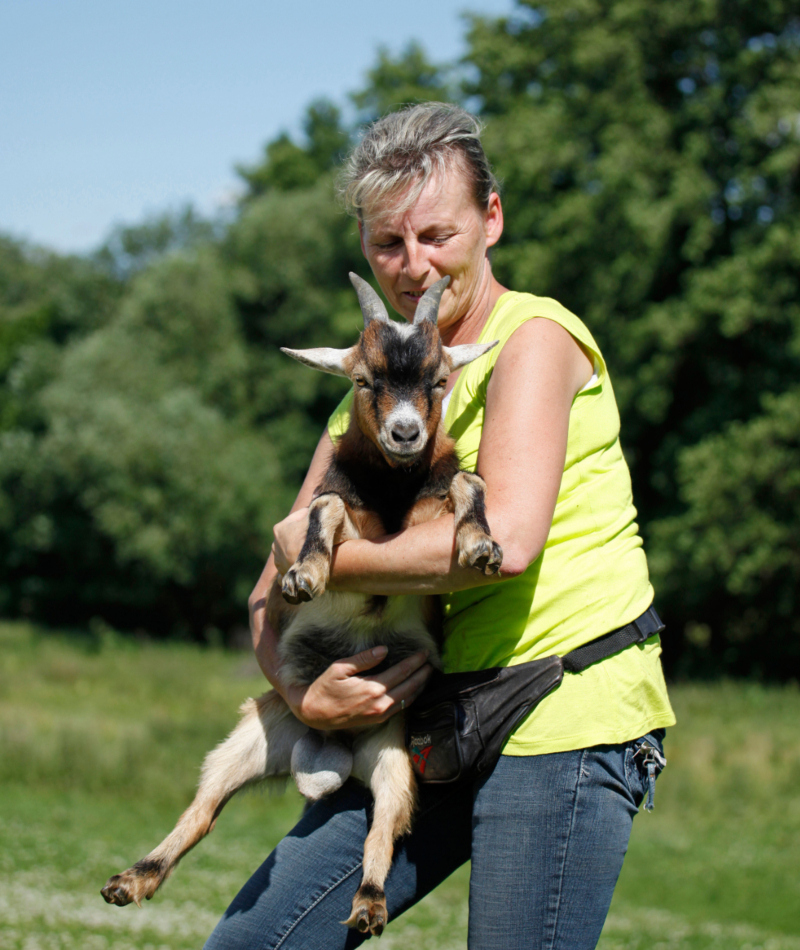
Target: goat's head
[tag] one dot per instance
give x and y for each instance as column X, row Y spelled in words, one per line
column 399, row 372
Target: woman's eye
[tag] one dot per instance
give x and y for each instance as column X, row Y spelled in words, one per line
column 436, row 237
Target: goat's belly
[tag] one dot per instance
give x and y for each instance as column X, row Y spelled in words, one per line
column 339, row 625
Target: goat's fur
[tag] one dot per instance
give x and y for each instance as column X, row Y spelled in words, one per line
column 394, row 467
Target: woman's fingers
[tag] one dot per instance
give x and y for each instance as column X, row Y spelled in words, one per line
column 340, row 698
column 402, row 671
column 405, row 694
column 361, row 662
column 402, row 682
column 405, row 681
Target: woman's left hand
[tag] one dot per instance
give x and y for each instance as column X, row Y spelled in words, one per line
column 289, row 537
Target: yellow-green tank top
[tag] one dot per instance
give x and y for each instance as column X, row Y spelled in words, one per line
column 590, row 578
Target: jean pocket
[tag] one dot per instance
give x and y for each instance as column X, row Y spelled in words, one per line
column 644, row 762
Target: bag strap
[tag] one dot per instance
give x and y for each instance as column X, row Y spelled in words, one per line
column 637, row 631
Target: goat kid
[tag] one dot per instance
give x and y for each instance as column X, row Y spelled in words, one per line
column 393, row 468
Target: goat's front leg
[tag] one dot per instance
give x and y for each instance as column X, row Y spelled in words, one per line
column 308, row 576
column 260, row 746
column 474, row 543
column 381, row 761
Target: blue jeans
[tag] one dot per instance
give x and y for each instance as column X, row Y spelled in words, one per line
column 547, row 835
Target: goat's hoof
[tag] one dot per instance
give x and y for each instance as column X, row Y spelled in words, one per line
column 369, row 911
column 131, row 887
column 296, row 589
column 484, row 555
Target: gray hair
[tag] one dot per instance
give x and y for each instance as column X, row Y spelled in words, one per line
column 402, row 151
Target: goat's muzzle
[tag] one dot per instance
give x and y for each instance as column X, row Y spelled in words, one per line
column 402, row 442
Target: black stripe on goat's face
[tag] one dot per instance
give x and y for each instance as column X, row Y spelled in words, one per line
column 399, row 373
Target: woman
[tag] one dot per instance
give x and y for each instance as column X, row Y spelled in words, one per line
column 547, row 830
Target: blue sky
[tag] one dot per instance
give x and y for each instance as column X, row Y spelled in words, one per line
column 111, row 111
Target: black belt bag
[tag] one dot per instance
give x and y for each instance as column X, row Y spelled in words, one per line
column 458, row 725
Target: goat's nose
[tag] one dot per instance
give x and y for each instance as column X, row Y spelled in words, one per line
column 405, row 432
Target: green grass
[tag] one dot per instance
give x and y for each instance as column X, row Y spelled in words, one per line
column 100, row 742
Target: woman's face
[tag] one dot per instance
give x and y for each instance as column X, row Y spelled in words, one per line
column 443, row 234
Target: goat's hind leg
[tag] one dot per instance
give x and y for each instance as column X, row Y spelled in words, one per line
column 260, row 746
column 381, row 761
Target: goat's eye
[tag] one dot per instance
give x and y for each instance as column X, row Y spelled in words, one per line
column 360, row 382
column 442, row 383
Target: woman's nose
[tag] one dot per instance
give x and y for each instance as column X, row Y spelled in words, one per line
column 416, row 264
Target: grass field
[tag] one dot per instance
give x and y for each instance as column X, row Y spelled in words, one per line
column 100, row 741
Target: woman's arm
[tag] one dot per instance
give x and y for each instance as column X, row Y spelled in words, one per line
column 265, row 640
column 522, row 453
column 339, row 698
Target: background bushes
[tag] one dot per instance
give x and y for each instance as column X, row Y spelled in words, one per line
column 151, row 432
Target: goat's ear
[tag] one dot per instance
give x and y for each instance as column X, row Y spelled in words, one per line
column 466, row 352
column 428, row 306
column 323, row 358
column 371, row 304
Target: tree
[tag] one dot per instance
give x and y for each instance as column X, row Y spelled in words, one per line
column 289, row 254
column 46, row 300
column 131, row 248
column 408, row 78
column 734, row 547
column 650, row 157
column 650, row 161
column 143, row 496
column 287, row 166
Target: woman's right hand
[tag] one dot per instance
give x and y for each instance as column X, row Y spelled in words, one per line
column 342, row 699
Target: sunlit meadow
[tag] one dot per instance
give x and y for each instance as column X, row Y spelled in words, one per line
column 101, row 739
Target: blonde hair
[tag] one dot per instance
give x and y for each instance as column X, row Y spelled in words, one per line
column 402, row 151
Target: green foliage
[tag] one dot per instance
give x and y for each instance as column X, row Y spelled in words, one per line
column 130, row 249
column 146, row 496
column 734, row 546
column 45, row 301
column 288, row 166
column 290, row 253
column 151, row 431
column 650, row 156
column 394, row 82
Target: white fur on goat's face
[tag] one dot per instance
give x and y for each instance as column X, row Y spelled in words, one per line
column 399, row 373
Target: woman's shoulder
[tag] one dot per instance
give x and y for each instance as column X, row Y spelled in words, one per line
column 515, row 308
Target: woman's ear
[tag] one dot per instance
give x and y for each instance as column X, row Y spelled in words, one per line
column 493, row 220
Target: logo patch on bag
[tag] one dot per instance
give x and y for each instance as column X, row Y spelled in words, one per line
column 419, row 755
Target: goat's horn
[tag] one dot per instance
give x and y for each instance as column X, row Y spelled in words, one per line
column 428, row 306
column 371, row 304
